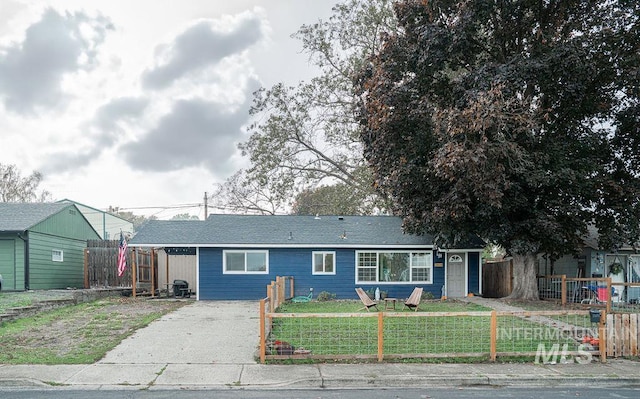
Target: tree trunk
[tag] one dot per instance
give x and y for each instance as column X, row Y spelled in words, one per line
column 525, row 284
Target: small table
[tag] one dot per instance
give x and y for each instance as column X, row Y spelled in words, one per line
column 389, row 302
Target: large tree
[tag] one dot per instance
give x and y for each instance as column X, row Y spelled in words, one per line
column 306, row 136
column 16, row 188
column 516, row 120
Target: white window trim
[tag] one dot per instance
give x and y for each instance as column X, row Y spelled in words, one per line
column 245, row 252
column 313, row 263
column 418, row 251
column 57, row 255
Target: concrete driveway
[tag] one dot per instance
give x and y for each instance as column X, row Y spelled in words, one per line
column 203, row 332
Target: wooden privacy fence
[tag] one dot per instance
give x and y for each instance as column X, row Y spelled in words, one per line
column 279, row 291
column 622, row 334
column 101, row 265
column 497, row 279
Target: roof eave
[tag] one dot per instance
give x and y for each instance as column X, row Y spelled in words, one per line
column 305, row 245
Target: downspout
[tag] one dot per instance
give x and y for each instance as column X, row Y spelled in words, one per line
column 25, row 239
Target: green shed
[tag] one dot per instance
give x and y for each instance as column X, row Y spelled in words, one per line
column 42, row 245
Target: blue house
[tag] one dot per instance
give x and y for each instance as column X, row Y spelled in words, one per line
column 236, row 256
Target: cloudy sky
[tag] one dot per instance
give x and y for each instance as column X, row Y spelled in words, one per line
column 140, row 103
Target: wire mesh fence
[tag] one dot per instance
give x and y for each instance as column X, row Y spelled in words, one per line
column 389, row 335
column 524, row 333
column 621, row 297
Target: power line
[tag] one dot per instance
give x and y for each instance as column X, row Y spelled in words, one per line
column 179, row 206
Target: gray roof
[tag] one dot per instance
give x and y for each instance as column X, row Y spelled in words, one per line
column 23, row 216
column 294, row 231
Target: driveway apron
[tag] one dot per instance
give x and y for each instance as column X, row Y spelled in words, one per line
column 220, row 332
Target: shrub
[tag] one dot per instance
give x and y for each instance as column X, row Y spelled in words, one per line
column 427, row 295
column 326, row 296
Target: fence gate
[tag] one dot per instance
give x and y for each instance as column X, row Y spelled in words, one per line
column 622, row 334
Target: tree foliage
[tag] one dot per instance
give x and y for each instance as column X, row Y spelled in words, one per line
column 184, row 216
column 137, row 220
column 16, row 188
column 515, row 120
column 306, row 136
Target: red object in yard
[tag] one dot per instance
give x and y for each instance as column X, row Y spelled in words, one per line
column 602, row 294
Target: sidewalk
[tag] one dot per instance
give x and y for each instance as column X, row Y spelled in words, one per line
column 211, row 345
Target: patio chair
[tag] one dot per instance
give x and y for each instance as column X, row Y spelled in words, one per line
column 303, row 298
column 414, row 299
column 366, row 301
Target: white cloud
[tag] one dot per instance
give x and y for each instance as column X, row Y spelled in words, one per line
column 101, row 132
column 202, row 45
column 132, row 103
column 196, row 133
column 31, row 71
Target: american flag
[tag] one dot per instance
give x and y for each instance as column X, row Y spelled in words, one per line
column 122, row 255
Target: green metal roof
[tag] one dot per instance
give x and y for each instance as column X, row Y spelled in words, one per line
column 23, row 216
column 284, row 231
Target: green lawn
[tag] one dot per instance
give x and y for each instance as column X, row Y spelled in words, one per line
column 343, row 306
column 405, row 334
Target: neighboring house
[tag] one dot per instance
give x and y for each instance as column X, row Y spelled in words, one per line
column 594, row 261
column 236, row 256
column 106, row 224
column 42, row 245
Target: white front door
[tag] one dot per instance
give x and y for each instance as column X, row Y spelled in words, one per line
column 456, row 274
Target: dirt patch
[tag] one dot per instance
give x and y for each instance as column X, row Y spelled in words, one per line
column 80, row 333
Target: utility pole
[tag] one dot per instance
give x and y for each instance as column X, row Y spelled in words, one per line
column 206, row 203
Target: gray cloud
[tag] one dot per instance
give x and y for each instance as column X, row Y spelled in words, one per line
column 103, row 130
column 31, row 71
column 195, row 133
column 201, row 46
column 108, row 119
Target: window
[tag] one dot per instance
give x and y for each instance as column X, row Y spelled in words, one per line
column 324, row 262
column 394, row 267
column 245, row 262
column 57, row 255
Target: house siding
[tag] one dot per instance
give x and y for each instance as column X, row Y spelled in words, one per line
column 68, row 223
column 297, row 262
column 106, row 225
column 44, row 273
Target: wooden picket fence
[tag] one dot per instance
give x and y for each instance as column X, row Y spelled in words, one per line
column 622, row 334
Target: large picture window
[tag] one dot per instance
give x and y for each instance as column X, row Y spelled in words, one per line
column 246, row 262
column 324, row 263
column 394, row 267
